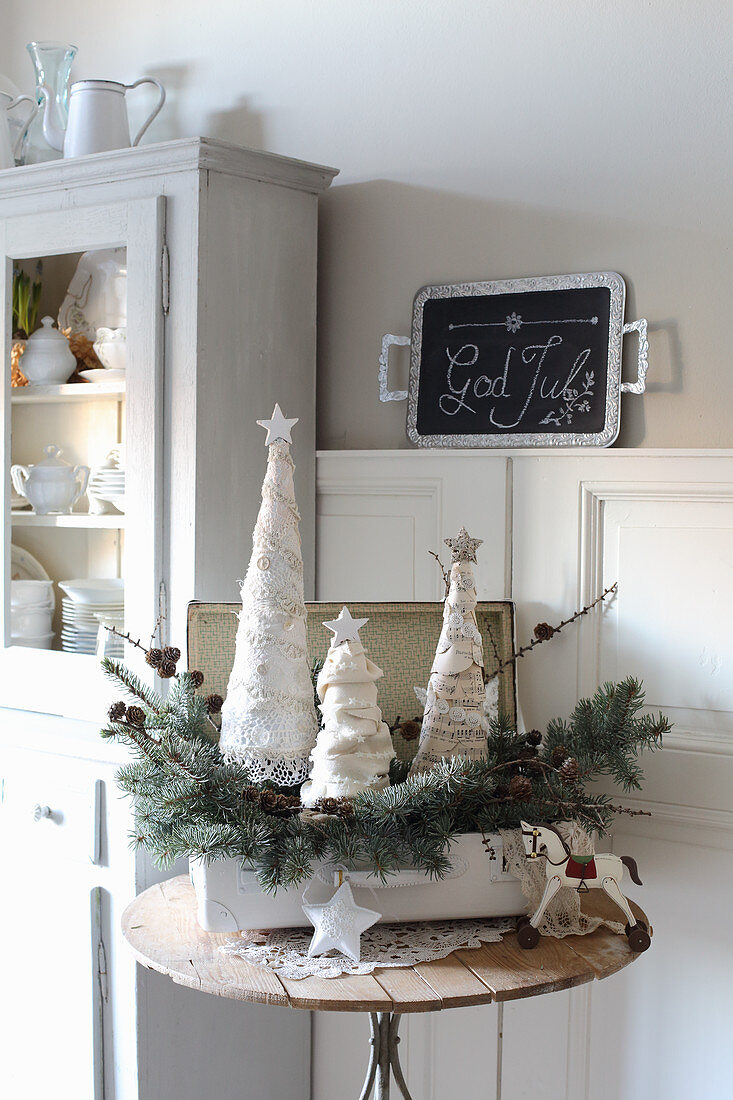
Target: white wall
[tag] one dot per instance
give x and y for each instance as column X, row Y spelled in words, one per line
column 477, row 139
column 661, row 524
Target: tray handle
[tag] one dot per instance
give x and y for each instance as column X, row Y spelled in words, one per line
column 643, row 363
column 385, row 394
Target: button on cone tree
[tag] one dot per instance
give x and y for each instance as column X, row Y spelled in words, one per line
column 269, row 720
column 453, row 722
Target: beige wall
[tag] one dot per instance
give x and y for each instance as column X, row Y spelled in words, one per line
column 477, row 139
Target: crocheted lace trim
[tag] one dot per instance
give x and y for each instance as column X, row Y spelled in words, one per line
column 285, row 950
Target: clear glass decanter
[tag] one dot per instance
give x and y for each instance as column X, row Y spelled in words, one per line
column 52, row 62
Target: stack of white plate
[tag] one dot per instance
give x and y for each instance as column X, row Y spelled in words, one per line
column 88, row 607
column 107, row 484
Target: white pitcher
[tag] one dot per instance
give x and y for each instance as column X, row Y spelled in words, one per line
column 10, row 149
column 98, row 118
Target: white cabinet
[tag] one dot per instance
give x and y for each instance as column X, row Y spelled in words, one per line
column 220, row 250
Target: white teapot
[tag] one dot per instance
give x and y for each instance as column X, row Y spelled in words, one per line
column 51, row 486
column 97, row 117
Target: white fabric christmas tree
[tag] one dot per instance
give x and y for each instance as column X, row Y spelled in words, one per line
column 453, row 722
column 354, row 747
column 269, row 720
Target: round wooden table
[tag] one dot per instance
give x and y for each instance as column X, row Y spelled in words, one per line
column 161, row 927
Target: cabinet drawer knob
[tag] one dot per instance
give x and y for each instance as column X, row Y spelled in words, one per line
column 40, row 811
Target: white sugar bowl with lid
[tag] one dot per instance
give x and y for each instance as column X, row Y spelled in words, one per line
column 48, row 360
column 51, row 486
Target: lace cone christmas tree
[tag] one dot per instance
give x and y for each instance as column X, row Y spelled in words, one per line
column 269, row 720
column 354, row 747
column 453, row 722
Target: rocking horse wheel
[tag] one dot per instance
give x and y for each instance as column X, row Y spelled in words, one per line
column 638, row 937
column 521, row 921
column 527, row 936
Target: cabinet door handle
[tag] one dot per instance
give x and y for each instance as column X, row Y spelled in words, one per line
column 40, row 811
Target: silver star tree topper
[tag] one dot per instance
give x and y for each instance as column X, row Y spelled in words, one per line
column 463, row 548
column 344, row 628
column 278, row 426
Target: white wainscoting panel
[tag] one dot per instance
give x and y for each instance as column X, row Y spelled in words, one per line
column 558, row 527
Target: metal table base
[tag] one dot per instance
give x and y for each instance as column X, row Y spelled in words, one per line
column 384, row 1062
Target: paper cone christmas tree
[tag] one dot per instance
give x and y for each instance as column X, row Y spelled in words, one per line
column 269, row 720
column 354, row 747
column 453, row 722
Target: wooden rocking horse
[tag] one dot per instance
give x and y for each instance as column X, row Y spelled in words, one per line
column 602, row 872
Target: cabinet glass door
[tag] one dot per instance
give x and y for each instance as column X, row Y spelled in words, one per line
column 81, row 481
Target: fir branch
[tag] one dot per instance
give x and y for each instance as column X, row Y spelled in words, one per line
column 131, row 683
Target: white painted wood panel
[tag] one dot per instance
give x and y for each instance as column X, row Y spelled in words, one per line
column 661, row 523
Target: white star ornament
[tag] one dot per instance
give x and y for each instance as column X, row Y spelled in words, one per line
column 278, row 426
column 339, row 924
column 344, row 628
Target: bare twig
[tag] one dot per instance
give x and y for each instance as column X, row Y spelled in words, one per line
column 630, row 812
column 127, row 637
column 444, row 572
column 554, row 630
column 156, row 630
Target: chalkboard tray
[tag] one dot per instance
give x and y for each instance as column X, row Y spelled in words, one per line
column 518, row 362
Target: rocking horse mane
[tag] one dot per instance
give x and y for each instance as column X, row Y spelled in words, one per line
column 558, row 834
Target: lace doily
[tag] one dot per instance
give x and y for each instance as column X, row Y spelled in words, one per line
column 562, row 916
column 286, row 949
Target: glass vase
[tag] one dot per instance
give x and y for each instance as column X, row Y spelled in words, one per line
column 52, row 62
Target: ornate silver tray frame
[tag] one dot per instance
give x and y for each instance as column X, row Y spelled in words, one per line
column 614, row 386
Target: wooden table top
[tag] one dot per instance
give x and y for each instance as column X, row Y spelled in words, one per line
column 161, row 927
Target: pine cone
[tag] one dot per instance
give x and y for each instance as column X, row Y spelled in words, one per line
column 117, row 712
column 520, row 788
column 543, row 632
column 154, row 657
column 410, row 730
column 166, row 669
column 534, row 737
column 558, row 755
column 251, row 794
column 528, row 752
column 197, row 677
column 136, row 716
column 171, row 653
column 268, row 799
column 214, row 703
column 570, row 770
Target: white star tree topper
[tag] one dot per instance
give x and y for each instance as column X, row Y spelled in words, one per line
column 278, row 426
column 345, row 628
column 339, row 924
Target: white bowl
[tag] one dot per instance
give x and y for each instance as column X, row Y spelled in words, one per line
column 41, row 641
column 31, row 593
column 93, row 591
column 31, row 623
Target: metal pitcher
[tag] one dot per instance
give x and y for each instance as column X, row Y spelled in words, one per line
column 98, row 118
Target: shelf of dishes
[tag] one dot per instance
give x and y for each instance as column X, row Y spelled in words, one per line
column 91, row 610
column 71, row 391
column 52, row 487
